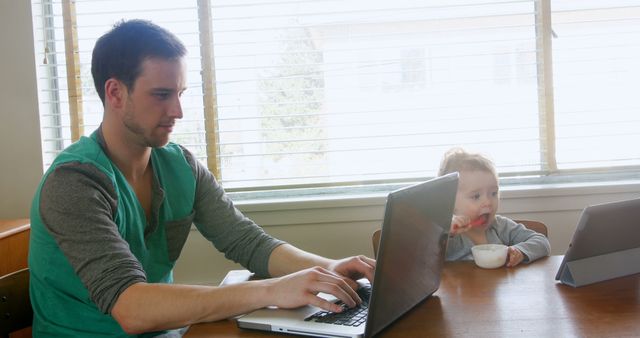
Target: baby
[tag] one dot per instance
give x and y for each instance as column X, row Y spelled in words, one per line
column 475, row 220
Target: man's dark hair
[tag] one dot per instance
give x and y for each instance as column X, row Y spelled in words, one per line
column 120, row 52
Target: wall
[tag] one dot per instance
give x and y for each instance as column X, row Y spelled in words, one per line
column 21, row 164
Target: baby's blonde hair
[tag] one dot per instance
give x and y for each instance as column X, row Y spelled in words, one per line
column 458, row 159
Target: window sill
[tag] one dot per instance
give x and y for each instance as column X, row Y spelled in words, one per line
column 345, row 197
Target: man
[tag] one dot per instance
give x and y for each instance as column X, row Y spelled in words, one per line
column 113, row 212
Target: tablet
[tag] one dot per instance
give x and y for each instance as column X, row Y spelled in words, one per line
column 605, row 244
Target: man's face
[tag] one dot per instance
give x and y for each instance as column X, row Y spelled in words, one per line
column 153, row 104
column 478, row 195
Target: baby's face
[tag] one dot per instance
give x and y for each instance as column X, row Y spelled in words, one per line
column 478, row 195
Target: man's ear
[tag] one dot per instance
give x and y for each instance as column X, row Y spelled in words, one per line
column 115, row 93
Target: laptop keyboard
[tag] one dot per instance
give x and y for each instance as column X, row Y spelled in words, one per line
column 349, row 316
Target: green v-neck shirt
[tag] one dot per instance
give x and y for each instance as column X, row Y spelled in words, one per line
column 90, row 238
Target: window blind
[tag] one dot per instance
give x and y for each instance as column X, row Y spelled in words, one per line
column 343, row 91
column 90, row 20
column 596, row 71
column 312, row 93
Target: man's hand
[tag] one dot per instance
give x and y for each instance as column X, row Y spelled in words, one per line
column 303, row 275
column 354, row 268
column 301, row 288
column 338, row 279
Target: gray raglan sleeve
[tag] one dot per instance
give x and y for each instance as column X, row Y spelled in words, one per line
column 458, row 249
column 238, row 237
column 532, row 244
column 77, row 205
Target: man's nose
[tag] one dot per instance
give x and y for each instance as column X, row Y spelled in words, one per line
column 175, row 110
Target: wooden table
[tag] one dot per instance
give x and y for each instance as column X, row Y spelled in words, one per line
column 524, row 301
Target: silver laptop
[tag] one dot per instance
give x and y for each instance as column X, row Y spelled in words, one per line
column 410, row 259
column 605, row 244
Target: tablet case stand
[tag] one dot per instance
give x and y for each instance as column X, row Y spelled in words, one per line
column 599, row 268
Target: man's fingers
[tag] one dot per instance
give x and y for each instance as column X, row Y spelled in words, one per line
column 324, row 304
column 334, row 284
column 347, row 296
column 367, row 268
column 370, row 261
column 353, row 285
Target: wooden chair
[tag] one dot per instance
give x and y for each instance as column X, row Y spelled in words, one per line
column 375, row 239
column 15, row 304
column 536, row 226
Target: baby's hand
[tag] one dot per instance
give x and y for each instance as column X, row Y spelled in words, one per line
column 514, row 257
column 459, row 224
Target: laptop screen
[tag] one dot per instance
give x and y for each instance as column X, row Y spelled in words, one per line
column 412, row 249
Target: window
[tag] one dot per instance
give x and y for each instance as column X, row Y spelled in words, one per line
column 596, row 70
column 304, row 93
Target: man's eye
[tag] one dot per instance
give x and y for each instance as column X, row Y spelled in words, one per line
column 476, row 196
column 162, row 96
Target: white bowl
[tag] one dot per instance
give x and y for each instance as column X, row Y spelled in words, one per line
column 489, row 256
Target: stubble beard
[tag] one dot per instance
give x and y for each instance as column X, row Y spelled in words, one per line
column 138, row 132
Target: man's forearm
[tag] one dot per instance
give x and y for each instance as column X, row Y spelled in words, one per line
column 144, row 307
column 286, row 259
